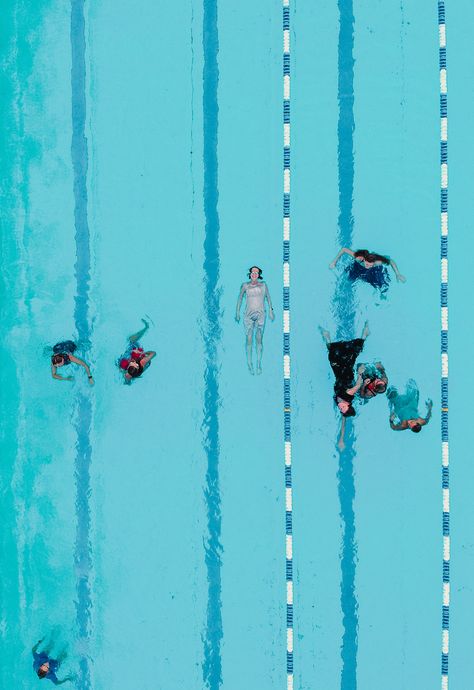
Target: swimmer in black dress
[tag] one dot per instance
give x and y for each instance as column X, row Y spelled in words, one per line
column 342, row 356
column 370, row 267
column 62, row 356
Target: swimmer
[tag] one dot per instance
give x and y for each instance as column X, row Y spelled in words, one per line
column 342, row 356
column 405, row 407
column 256, row 291
column 135, row 360
column 369, row 267
column 63, row 356
column 45, row 666
column 375, row 380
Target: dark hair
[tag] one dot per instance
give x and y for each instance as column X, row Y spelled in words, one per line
column 42, row 673
column 370, row 256
column 416, row 428
column 350, row 412
column 380, row 387
column 57, row 358
column 259, row 271
column 134, row 372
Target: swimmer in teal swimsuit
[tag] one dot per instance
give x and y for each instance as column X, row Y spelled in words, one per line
column 405, row 407
column 256, row 292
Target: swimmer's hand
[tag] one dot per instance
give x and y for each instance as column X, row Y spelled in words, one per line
column 91, row 381
column 69, row 378
column 332, row 265
column 400, row 278
column 392, row 416
column 271, row 315
column 429, row 403
column 340, row 444
column 237, row 318
column 360, row 368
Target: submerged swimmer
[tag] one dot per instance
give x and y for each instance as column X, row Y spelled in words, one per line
column 135, row 359
column 45, row 666
column 405, row 407
column 256, row 291
column 62, row 356
column 342, row 356
column 369, row 267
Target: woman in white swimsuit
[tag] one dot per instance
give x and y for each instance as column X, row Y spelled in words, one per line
column 255, row 291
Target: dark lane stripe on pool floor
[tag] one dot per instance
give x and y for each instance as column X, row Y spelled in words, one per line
column 212, row 664
column 79, row 154
column 344, row 311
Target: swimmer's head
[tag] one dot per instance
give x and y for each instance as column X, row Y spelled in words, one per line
column 43, row 670
column 350, row 412
column 416, row 428
column 380, row 386
column 367, row 258
column 57, row 360
column 255, row 273
column 134, row 369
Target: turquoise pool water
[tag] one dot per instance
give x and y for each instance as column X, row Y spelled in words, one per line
column 142, row 173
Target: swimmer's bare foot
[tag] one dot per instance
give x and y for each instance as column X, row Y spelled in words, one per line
column 325, row 334
column 147, row 325
column 251, row 371
column 366, row 331
column 259, row 369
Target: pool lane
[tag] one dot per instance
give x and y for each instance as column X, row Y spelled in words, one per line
column 148, row 227
column 397, row 206
column 37, row 255
column 461, row 331
column 252, row 461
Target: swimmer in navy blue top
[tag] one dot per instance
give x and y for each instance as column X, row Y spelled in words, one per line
column 46, row 667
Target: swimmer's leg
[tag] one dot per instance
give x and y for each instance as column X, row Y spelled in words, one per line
column 248, row 347
column 259, row 344
column 136, row 336
column 325, row 335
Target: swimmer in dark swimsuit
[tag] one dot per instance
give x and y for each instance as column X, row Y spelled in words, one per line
column 135, row 359
column 45, row 666
column 62, row 356
column 342, row 356
column 375, row 380
column 256, row 292
column 369, row 267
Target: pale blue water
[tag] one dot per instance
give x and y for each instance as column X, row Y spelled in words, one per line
column 160, row 559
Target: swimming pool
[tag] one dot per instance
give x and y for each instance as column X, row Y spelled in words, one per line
column 142, row 173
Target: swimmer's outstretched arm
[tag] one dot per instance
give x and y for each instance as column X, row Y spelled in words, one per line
column 148, row 356
column 355, row 388
column 267, row 295
column 35, row 647
column 400, row 278
column 239, row 301
column 342, row 251
column 58, row 377
column 81, row 363
column 429, row 405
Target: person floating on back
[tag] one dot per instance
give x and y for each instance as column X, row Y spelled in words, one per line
column 369, row 267
column 342, row 356
column 63, row 355
column 45, row 666
column 256, row 292
column 135, row 360
column 374, row 382
column 405, row 407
